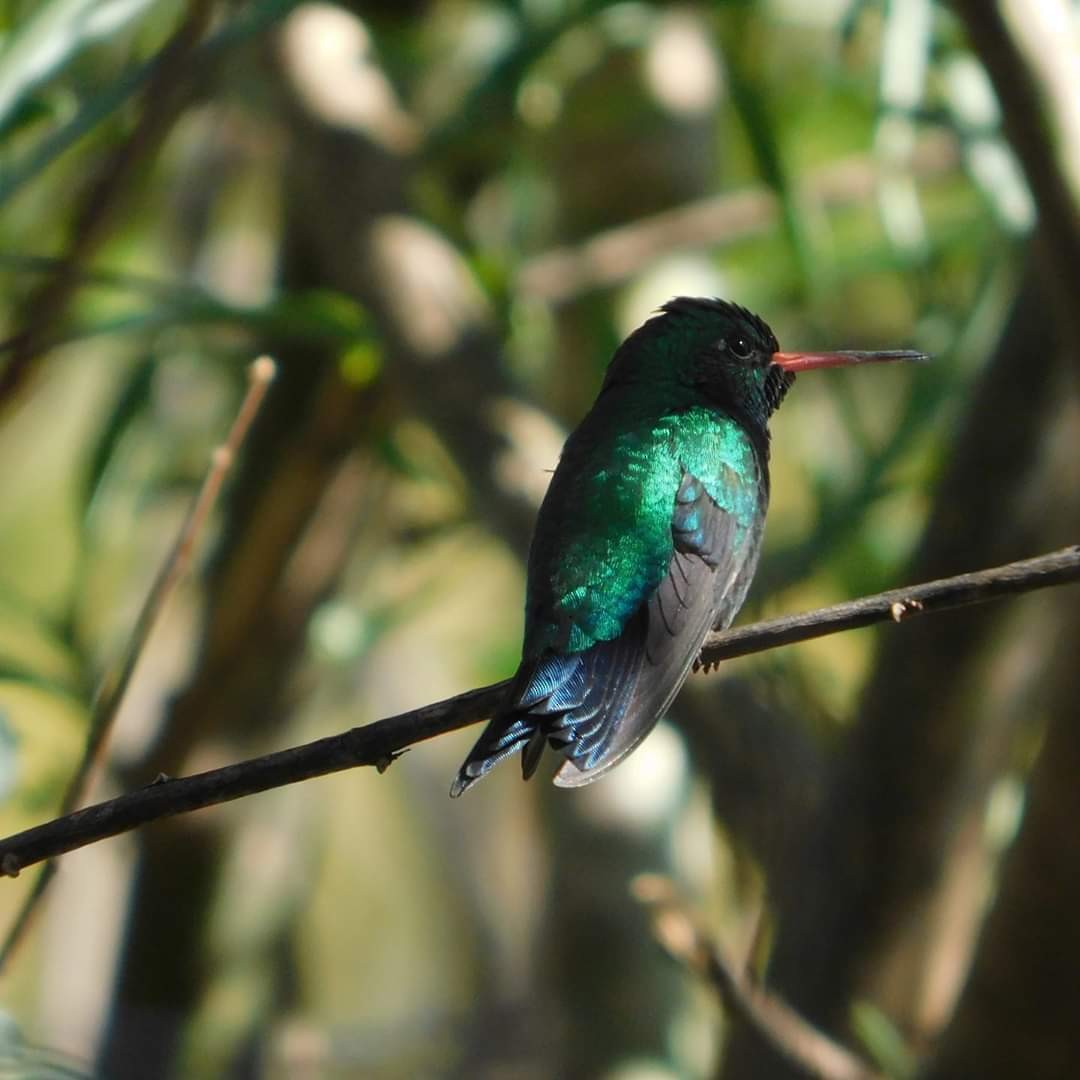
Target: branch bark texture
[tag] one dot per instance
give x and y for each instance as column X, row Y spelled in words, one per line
column 380, row 742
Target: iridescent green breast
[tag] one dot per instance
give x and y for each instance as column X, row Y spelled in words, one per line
column 604, row 541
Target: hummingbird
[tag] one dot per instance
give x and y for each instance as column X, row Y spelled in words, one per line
column 648, row 536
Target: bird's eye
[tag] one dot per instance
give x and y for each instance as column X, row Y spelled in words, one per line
column 739, row 347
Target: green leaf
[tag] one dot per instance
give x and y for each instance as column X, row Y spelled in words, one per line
column 85, row 120
column 319, row 315
column 31, row 651
column 882, row 1041
column 91, row 276
column 751, row 102
column 53, row 35
column 130, row 403
column 102, row 105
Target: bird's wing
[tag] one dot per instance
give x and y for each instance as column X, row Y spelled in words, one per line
column 602, row 546
column 711, row 564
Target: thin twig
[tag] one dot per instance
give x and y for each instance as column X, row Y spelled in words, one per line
column 686, row 940
column 381, row 742
column 897, row 605
column 114, row 683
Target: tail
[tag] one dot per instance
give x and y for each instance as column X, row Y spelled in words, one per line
column 578, row 704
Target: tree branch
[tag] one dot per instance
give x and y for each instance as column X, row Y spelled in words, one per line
column 381, row 742
column 684, row 938
column 898, row 605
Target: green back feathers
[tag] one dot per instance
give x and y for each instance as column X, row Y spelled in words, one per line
column 607, row 541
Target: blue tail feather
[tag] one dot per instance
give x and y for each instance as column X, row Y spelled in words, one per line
column 571, row 702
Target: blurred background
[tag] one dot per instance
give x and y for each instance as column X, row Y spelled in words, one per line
column 440, row 217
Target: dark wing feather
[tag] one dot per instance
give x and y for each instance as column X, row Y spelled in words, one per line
column 706, row 583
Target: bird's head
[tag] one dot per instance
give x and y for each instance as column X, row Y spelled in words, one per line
column 724, row 355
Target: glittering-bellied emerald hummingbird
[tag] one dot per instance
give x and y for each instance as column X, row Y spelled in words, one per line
column 648, row 536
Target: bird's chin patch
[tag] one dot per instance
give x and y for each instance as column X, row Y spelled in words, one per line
column 644, row 789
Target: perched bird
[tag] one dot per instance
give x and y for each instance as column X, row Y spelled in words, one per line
column 648, row 536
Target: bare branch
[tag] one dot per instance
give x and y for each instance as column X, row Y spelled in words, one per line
column 685, row 939
column 114, row 683
column 897, row 605
column 381, row 742
column 375, row 744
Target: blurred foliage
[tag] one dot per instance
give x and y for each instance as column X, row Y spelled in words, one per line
column 360, row 926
